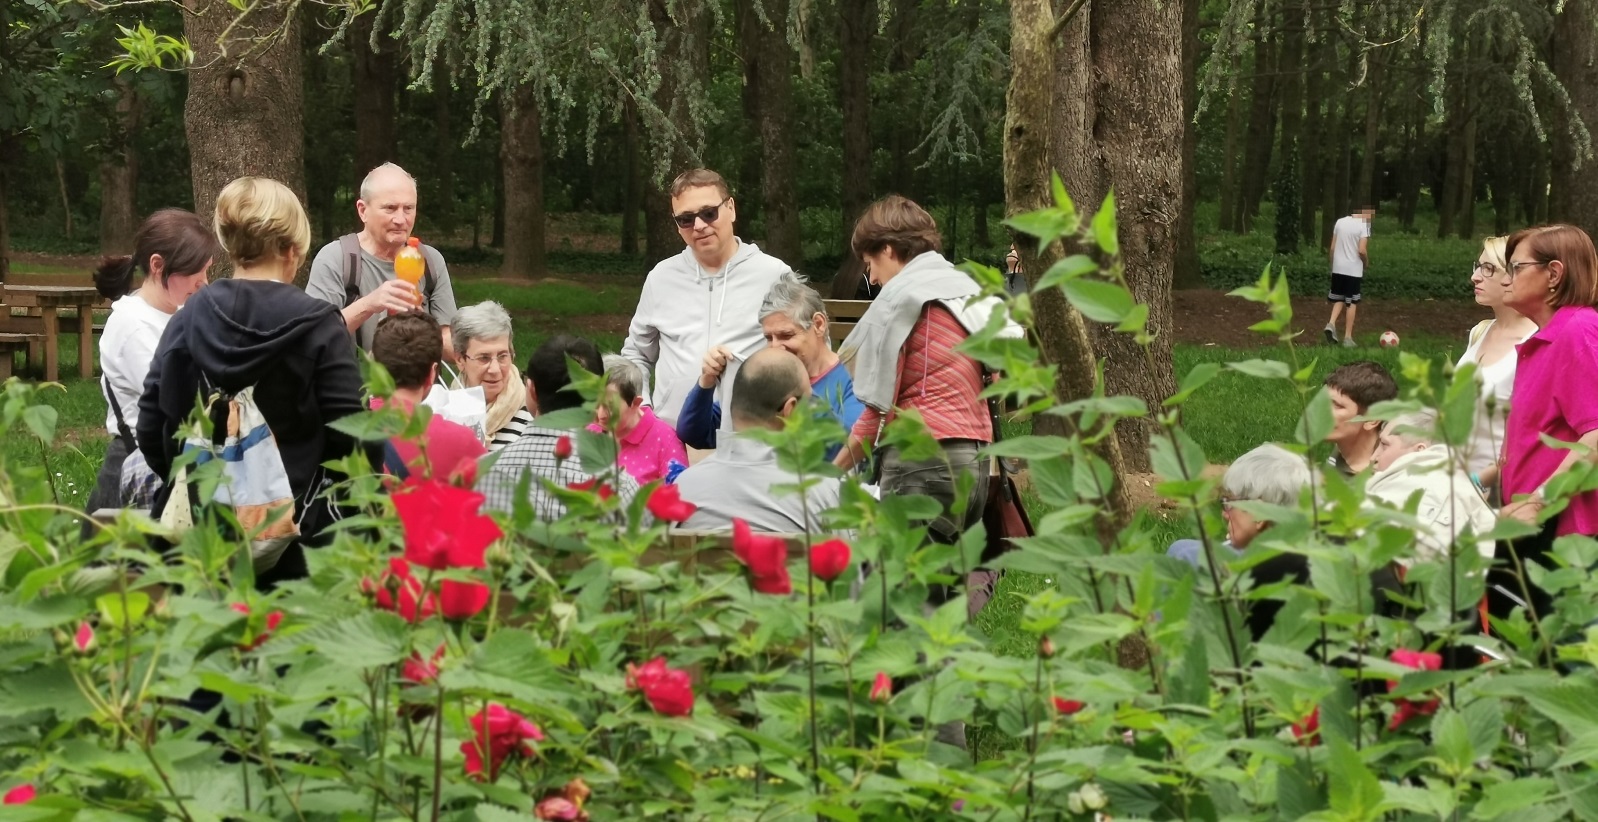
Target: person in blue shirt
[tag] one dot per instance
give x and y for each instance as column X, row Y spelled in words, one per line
column 793, row 318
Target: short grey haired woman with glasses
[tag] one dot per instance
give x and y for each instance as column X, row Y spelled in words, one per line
column 483, row 339
column 1270, row 474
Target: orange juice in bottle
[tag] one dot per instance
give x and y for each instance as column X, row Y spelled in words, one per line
column 410, row 267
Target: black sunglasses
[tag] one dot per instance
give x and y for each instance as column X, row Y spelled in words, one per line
column 709, row 214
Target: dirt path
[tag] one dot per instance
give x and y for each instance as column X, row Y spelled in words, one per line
column 1207, row 317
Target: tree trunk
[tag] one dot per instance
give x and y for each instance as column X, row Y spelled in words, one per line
column 1454, row 102
column 632, row 184
column 1290, row 86
column 1366, row 190
column 1029, row 102
column 374, row 75
column 1409, row 173
column 1467, row 179
column 444, row 211
column 1261, row 126
column 778, row 181
column 1188, row 274
column 119, row 174
column 5, row 217
column 751, row 47
column 245, row 109
column 1309, row 158
column 683, row 62
column 1574, row 46
column 904, row 133
column 521, row 154
column 857, row 23
column 1231, row 180
column 1120, row 129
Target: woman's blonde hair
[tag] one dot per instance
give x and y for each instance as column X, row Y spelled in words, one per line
column 1497, row 250
column 258, row 219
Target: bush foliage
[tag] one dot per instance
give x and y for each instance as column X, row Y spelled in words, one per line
column 606, row 675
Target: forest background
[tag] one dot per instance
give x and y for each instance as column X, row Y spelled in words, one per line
column 541, row 134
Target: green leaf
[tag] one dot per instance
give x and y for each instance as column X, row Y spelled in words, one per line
column 1062, row 199
column 1195, row 379
column 1047, row 225
column 1518, row 794
column 122, row 609
column 41, row 420
column 1355, row 792
column 1104, row 226
column 1100, row 301
column 1263, row 369
column 1451, row 739
column 597, row 452
column 368, row 640
column 1068, row 268
column 1316, row 421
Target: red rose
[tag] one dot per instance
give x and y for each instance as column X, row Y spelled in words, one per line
column 1308, row 731
column 398, row 591
column 669, row 691
column 1066, row 707
column 273, row 620
column 417, row 671
column 498, row 732
column 1408, row 709
column 563, row 448
column 829, row 559
column 462, row 600
column 667, row 504
column 593, row 485
column 767, row 558
column 560, row 808
column 83, row 640
column 443, row 528
column 20, row 795
column 881, row 688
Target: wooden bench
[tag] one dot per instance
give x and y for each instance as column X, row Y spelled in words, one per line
column 842, row 315
column 11, row 343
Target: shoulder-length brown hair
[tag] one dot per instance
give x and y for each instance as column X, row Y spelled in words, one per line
column 1573, row 249
column 897, row 223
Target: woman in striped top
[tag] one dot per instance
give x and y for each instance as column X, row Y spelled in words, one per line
column 482, row 338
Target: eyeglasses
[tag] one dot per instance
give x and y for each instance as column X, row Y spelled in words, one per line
column 709, row 214
column 503, row 358
column 1514, row 268
column 1486, row 269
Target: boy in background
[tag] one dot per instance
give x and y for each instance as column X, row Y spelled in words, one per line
column 1350, row 243
column 1353, row 389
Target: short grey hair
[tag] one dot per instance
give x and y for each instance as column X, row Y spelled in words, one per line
column 1269, row 473
column 370, row 180
column 1415, row 427
column 791, row 296
column 626, row 376
column 485, row 321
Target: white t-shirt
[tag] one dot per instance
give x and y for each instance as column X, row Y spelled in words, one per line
column 126, row 349
column 1345, row 246
column 1487, row 434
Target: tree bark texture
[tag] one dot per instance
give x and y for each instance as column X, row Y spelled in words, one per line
column 119, row 174
column 1261, row 135
column 1188, row 273
column 521, row 155
column 901, row 62
column 1374, row 94
column 751, row 45
column 1231, row 179
column 245, row 109
column 375, row 80
column 1119, row 127
column 857, row 23
column 1309, row 155
column 632, row 181
column 683, row 29
column 774, row 71
column 443, row 212
column 1454, row 154
column 1031, row 103
column 1574, row 197
column 6, row 142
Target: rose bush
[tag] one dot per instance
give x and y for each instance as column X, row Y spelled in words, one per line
column 441, row 663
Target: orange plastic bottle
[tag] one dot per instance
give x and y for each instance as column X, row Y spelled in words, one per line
column 410, row 267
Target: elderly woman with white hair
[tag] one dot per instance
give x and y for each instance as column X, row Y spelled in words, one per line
column 482, row 340
column 1406, row 461
column 1270, row 474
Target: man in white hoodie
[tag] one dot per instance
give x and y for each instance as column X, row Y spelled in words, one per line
column 704, row 303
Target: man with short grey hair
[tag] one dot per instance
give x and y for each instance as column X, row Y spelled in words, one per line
column 793, row 317
column 356, row 271
column 736, row 481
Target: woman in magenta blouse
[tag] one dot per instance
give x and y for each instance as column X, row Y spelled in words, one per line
column 1552, row 280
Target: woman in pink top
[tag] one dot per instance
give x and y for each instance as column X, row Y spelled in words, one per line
column 646, row 445
column 1552, row 279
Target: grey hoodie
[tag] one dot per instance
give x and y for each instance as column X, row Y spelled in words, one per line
column 683, row 312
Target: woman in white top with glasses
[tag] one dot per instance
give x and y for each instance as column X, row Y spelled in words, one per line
column 1492, row 349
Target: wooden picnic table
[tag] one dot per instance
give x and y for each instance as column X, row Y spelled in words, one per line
column 48, row 300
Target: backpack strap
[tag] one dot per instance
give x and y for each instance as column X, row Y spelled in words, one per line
column 428, row 283
column 394, row 462
column 123, row 432
column 349, row 246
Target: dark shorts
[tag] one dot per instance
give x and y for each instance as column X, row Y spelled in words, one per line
column 1345, row 289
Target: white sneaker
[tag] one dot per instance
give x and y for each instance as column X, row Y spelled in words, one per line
column 1331, row 334
column 1348, row 342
